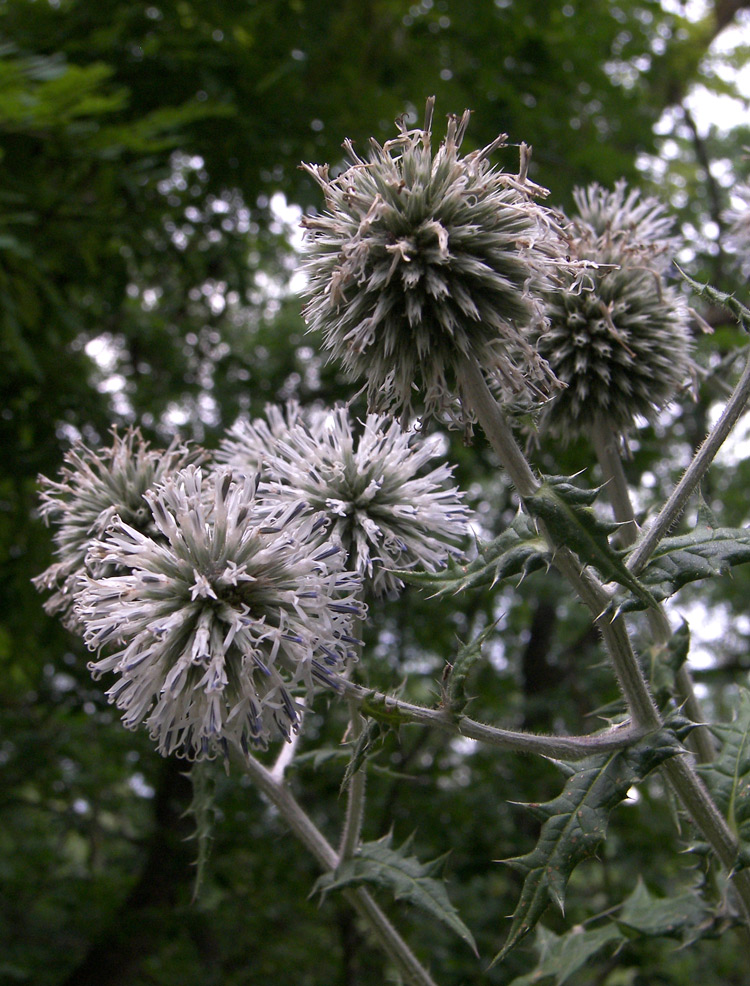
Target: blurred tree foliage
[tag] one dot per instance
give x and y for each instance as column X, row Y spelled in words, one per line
column 145, row 270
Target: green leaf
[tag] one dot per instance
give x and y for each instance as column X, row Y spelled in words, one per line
column 518, row 551
column 703, row 553
column 653, row 917
column 728, row 776
column 566, row 511
column 664, row 660
column 454, row 678
column 562, row 955
column 575, row 823
column 717, row 297
column 408, row 879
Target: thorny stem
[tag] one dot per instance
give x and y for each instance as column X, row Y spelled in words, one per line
column 693, row 474
column 556, row 747
column 685, row 781
column 476, row 393
column 355, row 805
column 313, row 840
column 606, row 445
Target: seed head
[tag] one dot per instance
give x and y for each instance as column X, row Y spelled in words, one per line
column 218, row 622
column 94, row 487
column 422, row 258
column 387, row 512
column 618, row 334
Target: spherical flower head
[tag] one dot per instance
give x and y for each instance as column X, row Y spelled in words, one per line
column 218, row 621
column 423, row 259
column 618, row 335
column 381, row 504
column 94, row 487
column 738, row 221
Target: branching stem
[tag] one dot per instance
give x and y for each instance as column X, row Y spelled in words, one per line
column 606, row 445
column 693, row 474
column 316, row 843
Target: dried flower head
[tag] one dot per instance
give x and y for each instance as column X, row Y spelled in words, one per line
column 620, row 342
column 386, row 511
column 738, row 220
column 422, row 259
column 220, row 620
column 94, row 487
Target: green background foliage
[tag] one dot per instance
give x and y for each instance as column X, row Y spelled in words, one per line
column 145, row 277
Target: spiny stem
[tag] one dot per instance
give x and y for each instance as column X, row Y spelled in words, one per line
column 476, row 393
column 686, row 783
column 557, row 747
column 355, row 805
column 606, row 446
column 316, row 843
column 693, row 474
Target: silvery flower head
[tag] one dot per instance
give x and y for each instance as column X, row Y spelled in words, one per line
column 218, row 621
column 423, row 258
column 618, row 334
column 738, row 220
column 94, row 487
column 387, row 512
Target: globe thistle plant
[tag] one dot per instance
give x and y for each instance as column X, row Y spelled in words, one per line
column 738, row 220
column 385, row 510
column 94, row 487
column 425, row 258
column 619, row 340
column 220, row 620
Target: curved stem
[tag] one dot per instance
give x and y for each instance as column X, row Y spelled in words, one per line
column 606, row 445
column 316, row 843
column 693, row 474
column 380, row 705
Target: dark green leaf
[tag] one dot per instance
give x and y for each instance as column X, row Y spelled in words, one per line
column 654, row 916
column 567, row 514
column 408, row 879
column 728, row 777
column 575, row 823
column 518, row 551
column 703, row 553
column 454, row 680
column 562, row 955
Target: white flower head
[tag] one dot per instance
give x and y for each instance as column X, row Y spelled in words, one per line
column 218, row 623
column 618, row 335
column 738, row 220
column 387, row 512
column 94, row 487
column 423, row 258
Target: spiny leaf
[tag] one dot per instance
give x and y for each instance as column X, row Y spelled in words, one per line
column 717, row 297
column 566, row 512
column 665, row 660
column 408, row 879
column 702, row 553
column 562, row 955
column 728, row 777
column 575, row 823
column 371, row 736
column 203, row 781
column 518, row 551
column 454, row 679
column 679, row 915
column 376, row 707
